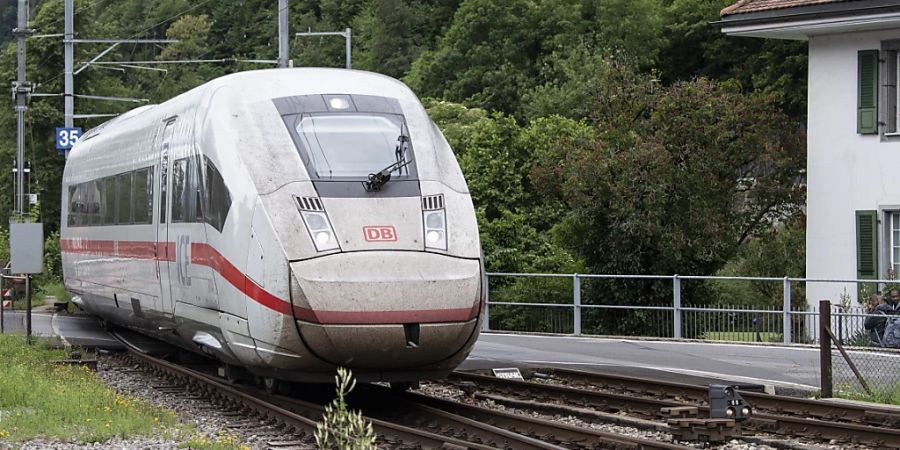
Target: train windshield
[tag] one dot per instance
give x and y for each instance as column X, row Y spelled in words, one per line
column 351, row 145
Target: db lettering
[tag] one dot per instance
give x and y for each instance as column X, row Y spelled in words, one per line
column 380, row 233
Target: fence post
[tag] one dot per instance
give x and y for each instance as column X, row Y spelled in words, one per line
column 787, row 326
column 576, row 301
column 676, row 305
column 825, row 348
column 486, row 325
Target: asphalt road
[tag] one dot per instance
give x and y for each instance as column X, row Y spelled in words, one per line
column 785, row 367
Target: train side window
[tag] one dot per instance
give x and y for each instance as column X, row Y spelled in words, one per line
column 179, row 189
column 93, row 203
column 143, row 196
column 79, row 204
column 196, row 186
column 70, row 220
column 219, row 200
column 163, row 186
column 109, row 201
column 123, row 198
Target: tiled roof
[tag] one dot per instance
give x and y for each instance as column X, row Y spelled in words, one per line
column 749, row 6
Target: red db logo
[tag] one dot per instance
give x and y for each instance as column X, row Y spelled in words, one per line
column 380, row 233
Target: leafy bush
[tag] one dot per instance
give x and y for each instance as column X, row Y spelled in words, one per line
column 341, row 428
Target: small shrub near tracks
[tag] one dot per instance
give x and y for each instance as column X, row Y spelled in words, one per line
column 66, row 403
column 341, row 428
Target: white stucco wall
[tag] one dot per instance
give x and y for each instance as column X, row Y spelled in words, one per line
column 846, row 171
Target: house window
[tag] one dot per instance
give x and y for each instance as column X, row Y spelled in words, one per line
column 893, row 241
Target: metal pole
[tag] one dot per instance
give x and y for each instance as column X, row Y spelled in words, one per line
column 68, row 52
column 676, row 304
column 282, row 33
column 21, row 92
column 2, row 279
column 486, row 325
column 576, row 296
column 347, row 36
column 28, row 308
column 786, row 325
column 825, row 349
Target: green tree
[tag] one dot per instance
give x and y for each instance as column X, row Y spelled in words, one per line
column 677, row 181
column 697, row 48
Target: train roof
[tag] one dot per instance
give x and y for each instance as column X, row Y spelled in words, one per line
column 258, row 85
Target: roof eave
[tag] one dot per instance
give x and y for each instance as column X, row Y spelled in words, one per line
column 799, row 23
column 803, row 29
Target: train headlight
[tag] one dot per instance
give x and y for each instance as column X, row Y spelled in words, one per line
column 320, row 230
column 435, row 229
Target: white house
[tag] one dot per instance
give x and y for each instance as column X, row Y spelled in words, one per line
column 853, row 168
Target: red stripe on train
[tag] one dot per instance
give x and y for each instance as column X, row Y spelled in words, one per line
column 206, row 255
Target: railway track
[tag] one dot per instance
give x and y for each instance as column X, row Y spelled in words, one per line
column 779, row 415
column 401, row 420
column 776, row 404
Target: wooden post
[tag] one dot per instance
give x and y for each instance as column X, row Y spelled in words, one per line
column 825, row 349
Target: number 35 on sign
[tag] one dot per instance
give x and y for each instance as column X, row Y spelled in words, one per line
column 67, row 137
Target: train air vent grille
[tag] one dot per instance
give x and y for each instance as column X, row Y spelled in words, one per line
column 310, row 204
column 432, row 202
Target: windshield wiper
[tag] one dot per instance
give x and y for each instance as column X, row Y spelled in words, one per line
column 378, row 179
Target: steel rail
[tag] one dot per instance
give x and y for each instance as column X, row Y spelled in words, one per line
column 858, row 413
column 389, row 431
column 564, row 434
column 490, row 437
column 771, row 423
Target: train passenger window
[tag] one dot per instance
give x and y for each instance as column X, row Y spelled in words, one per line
column 123, row 198
column 93, row 203
column 79, row 207
column 163, row 185
column 143, row 196
column 196, row 187
column 70, row 220
column 218, row 199
column 179, row 190
column 109, row 201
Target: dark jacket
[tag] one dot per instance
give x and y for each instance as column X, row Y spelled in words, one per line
column 884, row 309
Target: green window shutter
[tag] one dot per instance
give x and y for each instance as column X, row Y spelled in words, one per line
column 866, row 245
column 867, row 98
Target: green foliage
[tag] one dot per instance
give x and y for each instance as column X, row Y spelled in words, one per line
column 695, row 48
column 69, row 403
column 776, row 252
column 4, row 247
column 340, row 427
column 677, row 181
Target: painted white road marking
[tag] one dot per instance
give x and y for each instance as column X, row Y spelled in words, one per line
column 56, row 331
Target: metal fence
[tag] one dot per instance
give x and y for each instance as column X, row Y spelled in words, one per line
column 577, row 304
column 555, row 303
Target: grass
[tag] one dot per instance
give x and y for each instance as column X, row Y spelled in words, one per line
column 68, row 403
column 222, row 441
column 20, row 304
column 890, row 396
column 56, row 289
column 741, row 336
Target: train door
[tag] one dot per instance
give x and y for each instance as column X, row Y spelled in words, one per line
column 165, row 250
column 191, row 272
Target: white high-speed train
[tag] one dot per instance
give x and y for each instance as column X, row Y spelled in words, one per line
column 285, row 221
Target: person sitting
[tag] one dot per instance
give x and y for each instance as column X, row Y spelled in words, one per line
column 890, row 306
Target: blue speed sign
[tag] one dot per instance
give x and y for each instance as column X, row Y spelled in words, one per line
column 67, row 137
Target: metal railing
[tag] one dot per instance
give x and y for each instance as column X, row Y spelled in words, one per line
column 564, row 314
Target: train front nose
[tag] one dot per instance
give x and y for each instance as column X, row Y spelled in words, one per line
column 384, row 310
